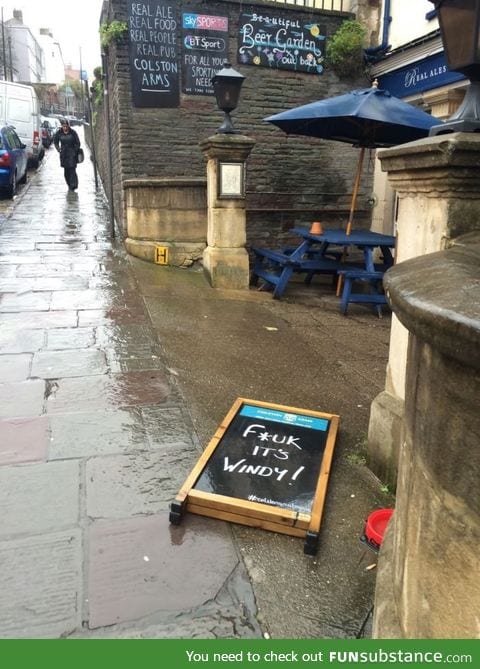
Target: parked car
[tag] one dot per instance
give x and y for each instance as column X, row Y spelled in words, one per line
column 55, row 123
column 48, row 131
column 13, row 160
column 19, row 108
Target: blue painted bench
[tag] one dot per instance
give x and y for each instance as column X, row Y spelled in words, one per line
column 375, row 296
column 277, row 267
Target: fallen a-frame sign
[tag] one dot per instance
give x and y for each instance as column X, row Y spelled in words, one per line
column 267, row 466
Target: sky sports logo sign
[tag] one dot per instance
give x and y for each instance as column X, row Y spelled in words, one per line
column 205, row 22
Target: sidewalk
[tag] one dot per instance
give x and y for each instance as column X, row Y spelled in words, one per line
column 114, row 374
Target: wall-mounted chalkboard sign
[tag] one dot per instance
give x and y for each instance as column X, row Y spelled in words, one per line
column 205, row 49
column 153, row 53
column 270, row 39
column 266, row 466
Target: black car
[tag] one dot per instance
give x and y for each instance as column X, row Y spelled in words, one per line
column 48, row 131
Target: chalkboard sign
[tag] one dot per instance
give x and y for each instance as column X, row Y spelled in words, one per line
column 266, row 466
column 205, row 49
column 269, row 39
column 153, row 53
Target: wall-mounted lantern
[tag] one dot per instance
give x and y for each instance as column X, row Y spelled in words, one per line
column 226, row 85
column 460, row 26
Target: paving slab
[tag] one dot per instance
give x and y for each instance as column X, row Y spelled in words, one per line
column 41, row 586
column 109, row 316
column 89, row 434
column 23, row 440
column 22, row 399
column 15, row 367
column 16, row 340
column 141, row 566
column 39, row 498
column 137, row 483
column 25, row 302
column 41, row 319
column 105, row 392
column 62, row 364
column 229, row 615
column 70, row 338
column 166, row 427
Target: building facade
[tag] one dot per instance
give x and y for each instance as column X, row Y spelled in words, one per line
column 53, row 64
column 409, row 62
column 26, row 52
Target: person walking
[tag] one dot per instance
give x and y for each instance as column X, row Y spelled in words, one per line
column 67, row 143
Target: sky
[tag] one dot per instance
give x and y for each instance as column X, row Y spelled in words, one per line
column 73, row 24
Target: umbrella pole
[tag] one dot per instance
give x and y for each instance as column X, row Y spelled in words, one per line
column 356, row 186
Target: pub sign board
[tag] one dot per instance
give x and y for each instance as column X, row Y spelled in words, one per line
column 267, row 466
column 270, row 39
column 154, row 53
column 205, row 50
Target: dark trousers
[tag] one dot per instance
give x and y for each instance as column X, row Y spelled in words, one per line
column 71, row 177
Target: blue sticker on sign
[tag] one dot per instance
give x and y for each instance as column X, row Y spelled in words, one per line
column 285, row 417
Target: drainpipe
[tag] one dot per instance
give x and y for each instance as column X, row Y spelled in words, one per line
column 373, row 52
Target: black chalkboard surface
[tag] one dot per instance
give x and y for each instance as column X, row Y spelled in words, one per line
column 154, row 53
column 205, row 50
column 266, row 466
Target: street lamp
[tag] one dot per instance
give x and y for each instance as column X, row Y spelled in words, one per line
column 460, row 25
column 226, row 85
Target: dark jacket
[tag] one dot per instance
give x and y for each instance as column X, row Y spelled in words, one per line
column 68, row 144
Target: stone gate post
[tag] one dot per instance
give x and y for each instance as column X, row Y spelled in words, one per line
column 225, row 260
column 428, row 584
column 437, row 182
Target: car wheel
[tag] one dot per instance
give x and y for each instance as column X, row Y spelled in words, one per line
column 12, row 187
column 23, row 180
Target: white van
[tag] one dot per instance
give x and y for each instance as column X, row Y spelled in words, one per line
column 20, row 108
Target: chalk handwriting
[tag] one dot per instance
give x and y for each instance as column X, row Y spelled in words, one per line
column 154, row 52
column 275, row 438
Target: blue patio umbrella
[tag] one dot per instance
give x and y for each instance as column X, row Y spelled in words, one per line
column 369, row 118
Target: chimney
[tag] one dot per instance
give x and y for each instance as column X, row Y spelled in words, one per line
column 46, row 31
column 18, row 15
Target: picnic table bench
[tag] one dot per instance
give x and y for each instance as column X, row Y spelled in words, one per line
column 315, row 255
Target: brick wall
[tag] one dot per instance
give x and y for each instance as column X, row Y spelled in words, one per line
column 290, row 180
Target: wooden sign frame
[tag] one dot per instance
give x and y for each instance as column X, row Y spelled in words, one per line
column 267, row 516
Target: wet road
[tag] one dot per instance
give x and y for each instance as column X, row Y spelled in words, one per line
column 95, row 441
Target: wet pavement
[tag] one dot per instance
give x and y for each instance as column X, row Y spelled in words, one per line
column 114, row 374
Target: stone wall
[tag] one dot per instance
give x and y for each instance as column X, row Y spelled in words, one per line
column 427, row 583
column 290, row 180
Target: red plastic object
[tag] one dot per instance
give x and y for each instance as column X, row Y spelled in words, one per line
column 376, row 525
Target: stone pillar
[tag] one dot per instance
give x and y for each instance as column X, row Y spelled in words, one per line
column 225, row 260
column 436, row 180
column 428, row 583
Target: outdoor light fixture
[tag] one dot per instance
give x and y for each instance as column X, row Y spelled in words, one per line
column 226, row 85
column 459, row 26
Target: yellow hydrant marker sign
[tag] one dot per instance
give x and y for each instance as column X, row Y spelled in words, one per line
column 161, row 255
